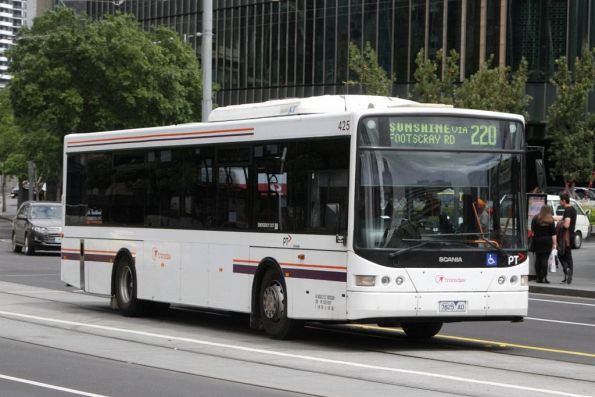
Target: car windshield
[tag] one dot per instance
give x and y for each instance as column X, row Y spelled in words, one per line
column 466, row 199
column 46, row 212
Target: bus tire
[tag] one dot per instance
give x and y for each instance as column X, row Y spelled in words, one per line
column 273, row 307
column 125, row 288
column 421, row 330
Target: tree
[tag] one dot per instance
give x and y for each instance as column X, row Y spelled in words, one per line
column 569, row 124
column 75, row 75
column 490, row 88
column 371, row 77
column 429, row 87
column 495, row 88
column 12, row 159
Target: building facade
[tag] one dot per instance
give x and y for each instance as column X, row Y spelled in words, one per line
column 294, row 48
column 12, row 13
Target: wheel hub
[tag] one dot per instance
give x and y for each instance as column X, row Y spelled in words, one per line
column 126, row 285
column 273, row 302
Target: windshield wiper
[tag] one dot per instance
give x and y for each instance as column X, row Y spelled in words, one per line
column 421, row 243
column 493, row 245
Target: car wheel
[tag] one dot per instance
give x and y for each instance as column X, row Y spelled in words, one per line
column 578, row 240
column 28, row 248
column 15, row 246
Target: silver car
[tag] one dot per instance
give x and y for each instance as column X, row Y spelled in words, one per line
column 37, row 226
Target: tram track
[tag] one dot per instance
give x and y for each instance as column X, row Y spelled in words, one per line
column 337, row 345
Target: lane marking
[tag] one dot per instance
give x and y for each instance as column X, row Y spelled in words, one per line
column 35, row 292
column 485, row 341
column 564, row 302
column 290, row 355
column 559, row 322
column 29, row 275
column 48, row 386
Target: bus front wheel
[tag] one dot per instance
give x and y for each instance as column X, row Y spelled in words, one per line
column 273, row 308
column 421, row 330
column 126, row 287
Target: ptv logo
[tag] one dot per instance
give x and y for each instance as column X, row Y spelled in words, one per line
column 516, row 259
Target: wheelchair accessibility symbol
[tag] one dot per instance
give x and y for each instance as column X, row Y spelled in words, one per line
column 491, row 260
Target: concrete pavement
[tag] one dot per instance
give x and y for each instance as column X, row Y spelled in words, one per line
column 583, row 283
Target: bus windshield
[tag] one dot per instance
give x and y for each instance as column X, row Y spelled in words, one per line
column 465, row 199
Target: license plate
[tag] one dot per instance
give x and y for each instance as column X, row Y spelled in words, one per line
column 452, row 306
column 58, row 240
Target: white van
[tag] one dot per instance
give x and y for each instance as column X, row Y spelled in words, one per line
column 582, row 229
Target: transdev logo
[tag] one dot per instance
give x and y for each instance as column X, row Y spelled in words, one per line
column 440, row 279
column 160, row 255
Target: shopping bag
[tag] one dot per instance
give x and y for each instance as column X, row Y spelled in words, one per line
column 551, row 261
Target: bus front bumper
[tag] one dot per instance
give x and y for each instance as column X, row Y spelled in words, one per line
column 446, row 306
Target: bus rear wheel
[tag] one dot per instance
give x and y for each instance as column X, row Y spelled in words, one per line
column 421, row 330
column 126, row 287
column 273, row 308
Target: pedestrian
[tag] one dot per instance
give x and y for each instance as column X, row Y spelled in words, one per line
column 544, row 240
column 565, row 236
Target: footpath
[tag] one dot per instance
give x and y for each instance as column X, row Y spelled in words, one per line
column 583, row 281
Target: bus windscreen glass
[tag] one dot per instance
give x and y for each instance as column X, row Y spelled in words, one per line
column 435, row 200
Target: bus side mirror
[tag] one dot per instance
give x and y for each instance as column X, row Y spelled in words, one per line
column 540, row 174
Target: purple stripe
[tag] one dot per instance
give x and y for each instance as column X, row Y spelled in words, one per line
column 297, row 273
column 244, row 269
column 315, row 274
column 71, row 256
column 100, row 258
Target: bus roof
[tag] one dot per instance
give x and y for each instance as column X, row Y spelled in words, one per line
column 311, row 105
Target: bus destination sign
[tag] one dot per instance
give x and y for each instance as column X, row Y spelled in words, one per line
column 445, row 132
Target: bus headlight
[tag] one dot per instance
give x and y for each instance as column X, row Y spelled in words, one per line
column 501, row 280
column 365, row 281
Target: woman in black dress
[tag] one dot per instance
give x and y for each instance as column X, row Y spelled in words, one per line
column 544, row 240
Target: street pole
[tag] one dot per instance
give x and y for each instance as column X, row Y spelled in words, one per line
column 31, row 170
column 206, row 58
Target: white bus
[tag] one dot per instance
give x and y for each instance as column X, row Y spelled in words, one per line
column 333, row 208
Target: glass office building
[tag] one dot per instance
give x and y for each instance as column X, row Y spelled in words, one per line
column 292, row 48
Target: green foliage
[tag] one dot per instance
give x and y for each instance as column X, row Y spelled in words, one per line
column 496, row 89
column 429, row 87
column 491, row 88
column 372, row 79
column 569, row 124
column 73, row 75
column 12, row 158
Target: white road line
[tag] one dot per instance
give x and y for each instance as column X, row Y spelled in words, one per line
column 546, row 320
column 36, row 292
column 563, row 302
column 290, row 355
column 48, row 386
column 29, row 275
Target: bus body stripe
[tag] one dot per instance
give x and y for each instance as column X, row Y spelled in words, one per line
column 296, row 273
column 162, row 137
